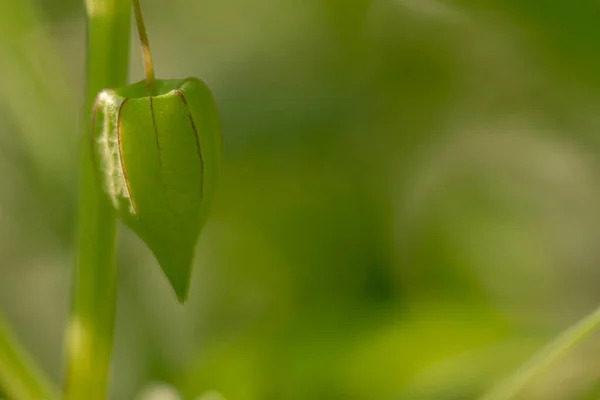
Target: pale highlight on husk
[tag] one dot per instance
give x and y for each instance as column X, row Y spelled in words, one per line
column 108, row 150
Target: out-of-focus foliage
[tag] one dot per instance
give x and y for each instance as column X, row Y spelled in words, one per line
column 410, row 203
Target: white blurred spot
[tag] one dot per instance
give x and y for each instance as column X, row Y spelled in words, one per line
column 212, row 395
column 158, row 391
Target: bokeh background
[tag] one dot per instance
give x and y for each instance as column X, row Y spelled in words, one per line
column 410, row 203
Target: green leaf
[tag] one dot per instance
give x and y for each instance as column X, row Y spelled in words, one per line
column 159, row 158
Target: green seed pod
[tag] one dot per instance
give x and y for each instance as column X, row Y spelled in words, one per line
column 158, row 158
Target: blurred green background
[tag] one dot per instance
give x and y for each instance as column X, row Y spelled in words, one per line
column 410, row 203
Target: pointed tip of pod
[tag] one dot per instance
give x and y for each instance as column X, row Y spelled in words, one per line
column 176, row 264
column 182, row 296
column 180, row 284
column 181, row 288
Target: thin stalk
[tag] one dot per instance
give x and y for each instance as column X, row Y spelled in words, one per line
column 20, row 377
column 89, row 336
column 555, row 350
column 146, row 55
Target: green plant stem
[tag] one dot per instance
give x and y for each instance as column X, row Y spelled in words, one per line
column 20, row 377
column 89, row 335
column 146, row 55
column 557, row 348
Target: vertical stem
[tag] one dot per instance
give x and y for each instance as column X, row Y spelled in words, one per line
column 89, row 336
column 146, row 55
